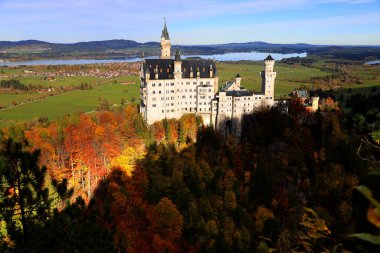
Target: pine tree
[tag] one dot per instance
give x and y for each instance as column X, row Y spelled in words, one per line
column 25, row 201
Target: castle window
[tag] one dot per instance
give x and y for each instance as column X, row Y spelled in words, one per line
column 153, row 84
column 172, row 91
column 172, row 110
column 153, row 105
column 154, row 92
column 159, row 84
column 207, row 82
column 153, row 99
column 163, row 111
column 162, row 99
column 194, row 82
column 187, row 83
column 172, row 84
column 183, row 96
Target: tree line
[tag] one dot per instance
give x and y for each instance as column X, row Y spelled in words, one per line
column 177, row 186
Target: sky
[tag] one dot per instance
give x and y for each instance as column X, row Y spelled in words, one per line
column 193, row 22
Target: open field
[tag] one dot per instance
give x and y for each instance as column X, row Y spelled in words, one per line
column 59, row 80
column 73, row 101
column 9, row 98
column 288, row 78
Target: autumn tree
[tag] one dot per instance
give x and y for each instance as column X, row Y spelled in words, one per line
column 25, row 200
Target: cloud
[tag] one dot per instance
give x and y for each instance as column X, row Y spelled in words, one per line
column 347, row 1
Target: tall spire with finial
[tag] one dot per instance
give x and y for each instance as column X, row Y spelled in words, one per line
column 177, row 55
column 165, row 33
column 165, row 43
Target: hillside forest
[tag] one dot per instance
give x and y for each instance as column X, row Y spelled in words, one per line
column 106, row 182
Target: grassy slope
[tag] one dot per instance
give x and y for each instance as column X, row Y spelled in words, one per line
column 79, row 100
column 288, row 78
column 60, row 80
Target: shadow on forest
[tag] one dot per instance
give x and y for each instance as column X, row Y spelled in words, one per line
column 224, row 195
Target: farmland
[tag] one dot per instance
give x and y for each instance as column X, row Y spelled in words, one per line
column 32, row 105
column 73, row 101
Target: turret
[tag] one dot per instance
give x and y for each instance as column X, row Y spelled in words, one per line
column 156, row 72
column 177, row 65
column 165, row 43
column 238, row 80
column 268, row 77
column 314, row 103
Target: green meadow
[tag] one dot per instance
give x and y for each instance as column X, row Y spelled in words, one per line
column 73, row 101
column 289, row 77
column 58, row 81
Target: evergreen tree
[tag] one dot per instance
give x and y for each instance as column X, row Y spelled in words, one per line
column 25, row 201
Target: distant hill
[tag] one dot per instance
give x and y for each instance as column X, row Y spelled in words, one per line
column 35, row 49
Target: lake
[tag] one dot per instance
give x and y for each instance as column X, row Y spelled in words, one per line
column 373, row 62
column 251, row 56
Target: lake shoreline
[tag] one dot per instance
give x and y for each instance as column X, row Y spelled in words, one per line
column 249, row 56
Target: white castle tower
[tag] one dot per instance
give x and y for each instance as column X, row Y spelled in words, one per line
column 165, row 43
column 268, row 77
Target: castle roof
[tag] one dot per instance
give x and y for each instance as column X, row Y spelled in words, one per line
column 269, row 58
column 300, row 94
column 177, row 55
column 165, row 33
column 165, row 68
column 238, row 93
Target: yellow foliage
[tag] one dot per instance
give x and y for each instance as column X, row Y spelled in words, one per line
column 127, row 160
column 261, row 216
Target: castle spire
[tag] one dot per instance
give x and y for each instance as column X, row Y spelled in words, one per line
column 165, row 33
column 177, row 55
column 165, row 43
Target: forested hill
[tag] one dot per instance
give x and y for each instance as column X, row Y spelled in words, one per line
column 288, row 185
column 32, row 49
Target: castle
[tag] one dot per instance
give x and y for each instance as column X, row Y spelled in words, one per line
column 171, row 88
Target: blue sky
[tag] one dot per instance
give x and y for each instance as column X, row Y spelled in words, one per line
column 348, row 22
